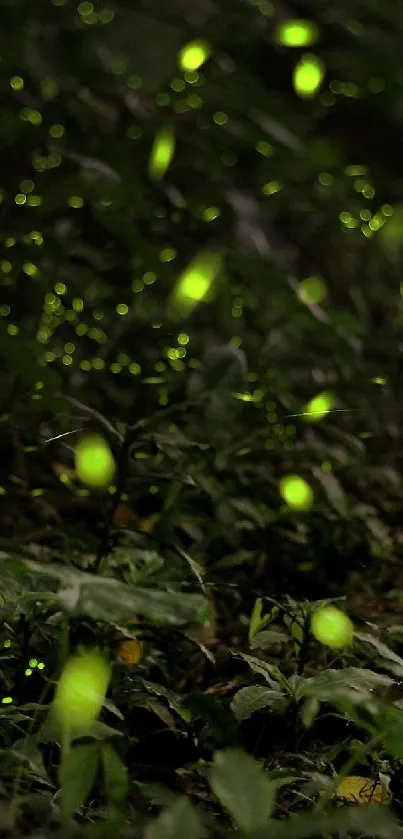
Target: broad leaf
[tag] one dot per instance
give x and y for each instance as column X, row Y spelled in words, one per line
column 107, row 599
column 254, row 698
column 115, row 777
column 180, row 821
column 242, row 788
column 77, row 773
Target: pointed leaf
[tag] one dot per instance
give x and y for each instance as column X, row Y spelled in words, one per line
column 180, row 821
column 243, row 789
column 77, row 773
column 254, row 698
column 115, row 777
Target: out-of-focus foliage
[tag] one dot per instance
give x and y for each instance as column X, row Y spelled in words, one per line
column 200, row 248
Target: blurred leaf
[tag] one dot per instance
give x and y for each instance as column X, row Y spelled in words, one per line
column 107, row 599
column 179, row 821
column 333, row 490
column 242, row 788
column 371, row 821
column 77, row 772
column 266, row 639
column 254, row 698
column 222, row 373
column 115, row 778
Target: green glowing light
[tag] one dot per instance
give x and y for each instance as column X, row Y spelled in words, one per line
column 197, row 280
column 81, row 691
column 272, row 187
column 332, row 627
column 308, row 76
column 210, row 213
column 312, row 290
column 319, row 406
column 162, row 152
column 193, row 55
column 296, row 492
column 17, row 83
column 94, row 462
column 297, row 33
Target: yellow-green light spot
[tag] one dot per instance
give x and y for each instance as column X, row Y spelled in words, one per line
column 6, row 700
column 60, row 288
column 210, row 213
column 56, row 131
column 122, row 309
column 30, row 269
column 75, row 201
column 332, row 627
column 308, row 76
column 318, row 407
column 378, row 380
column 162, row 152
column 149, row 277
column 81, row 691
column 312, row 290
column 17, row 83
column 264, row 148
column 197, row 280
column 77, row 303
column 296, row 492
column 220, row 118
column 297, row 33
column 167, row 255
column 272, row 187
column 34, row 200
column 193, row 55
column 178, row 85
column 194, row 100
column 191, row 77
column 94, row 462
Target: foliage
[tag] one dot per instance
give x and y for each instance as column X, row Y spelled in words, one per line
column 200, row 263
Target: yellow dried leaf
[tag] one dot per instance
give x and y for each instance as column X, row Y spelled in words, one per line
column 130, row 652
column 359, row 790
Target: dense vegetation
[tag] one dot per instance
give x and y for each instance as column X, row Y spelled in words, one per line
column 201, row 241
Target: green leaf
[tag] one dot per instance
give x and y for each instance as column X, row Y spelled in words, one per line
column 265, row 640
column 353, row 684
column 180, row 821
column 390, row 660
column 107, row 599
column 333, row 490
column 109, row 829
column 218, row 718
column 77, row 773
column 115, row 777
column 254, row 698
column 223, row 372
column 243, row 789
column 256, row 617
column 371, row 821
